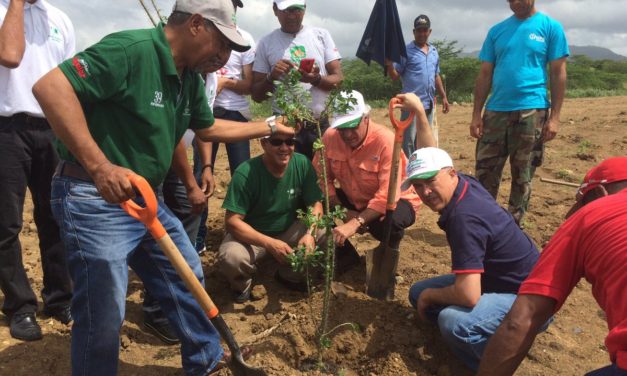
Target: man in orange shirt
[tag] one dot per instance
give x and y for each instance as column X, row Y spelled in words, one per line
column 359, row 157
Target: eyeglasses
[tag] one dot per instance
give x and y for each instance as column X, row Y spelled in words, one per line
column 279, row 142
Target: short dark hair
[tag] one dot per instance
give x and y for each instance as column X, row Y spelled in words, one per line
column 611, row 188
column 616, row 186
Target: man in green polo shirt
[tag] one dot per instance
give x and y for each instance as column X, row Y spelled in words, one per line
column 261, row 219
column 120, row 107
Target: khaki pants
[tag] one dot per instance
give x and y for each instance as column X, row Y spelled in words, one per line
column 238, row 261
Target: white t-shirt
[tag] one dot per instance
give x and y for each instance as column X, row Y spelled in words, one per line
column 49, row 37
column 233, row 69
column 211, row 85
column 309, row 42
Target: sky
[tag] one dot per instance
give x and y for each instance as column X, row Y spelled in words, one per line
column 586, row 22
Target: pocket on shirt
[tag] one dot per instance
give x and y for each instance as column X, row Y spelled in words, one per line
column 338, row 163
column 369, row 172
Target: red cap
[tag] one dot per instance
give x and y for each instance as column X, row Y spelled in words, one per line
column 608, row 171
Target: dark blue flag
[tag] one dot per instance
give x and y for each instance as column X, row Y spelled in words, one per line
column 383, row 37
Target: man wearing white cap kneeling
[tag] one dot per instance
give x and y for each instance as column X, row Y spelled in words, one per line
column 490, row 255
column 359, row 157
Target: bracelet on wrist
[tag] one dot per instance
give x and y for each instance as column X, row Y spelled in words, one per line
column 205, row 167
column 361, row 220
column 317, row 81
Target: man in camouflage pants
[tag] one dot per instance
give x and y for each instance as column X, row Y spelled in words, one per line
column 516, row 122
column 517, row 135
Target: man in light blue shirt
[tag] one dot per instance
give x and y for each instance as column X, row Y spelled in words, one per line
column 516, row 122
column 420, row 74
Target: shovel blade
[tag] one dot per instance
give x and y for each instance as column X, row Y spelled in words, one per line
column 374, row 259
column 240, row 368
column 381, row 265
column 237, row 365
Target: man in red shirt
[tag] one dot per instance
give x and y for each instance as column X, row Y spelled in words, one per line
column 592, row 243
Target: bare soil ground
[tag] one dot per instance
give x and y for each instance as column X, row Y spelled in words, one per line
column 390, row 340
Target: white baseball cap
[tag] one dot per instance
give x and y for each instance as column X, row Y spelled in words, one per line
column 425, row 163
column 284, row 4
column 221, row 13
column 352, row 118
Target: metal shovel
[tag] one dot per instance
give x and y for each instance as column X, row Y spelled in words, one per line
column 381, row 263
column 148, row 216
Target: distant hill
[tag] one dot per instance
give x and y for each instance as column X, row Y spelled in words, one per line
column 593, row 52
column 596, row 53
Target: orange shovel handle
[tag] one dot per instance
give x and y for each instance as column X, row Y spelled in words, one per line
column 399, row 125
column 148, row 214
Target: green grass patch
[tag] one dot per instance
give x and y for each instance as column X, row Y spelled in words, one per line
column 261, row 110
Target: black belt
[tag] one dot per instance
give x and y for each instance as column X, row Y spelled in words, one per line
column 24, row 119
column 72, row 170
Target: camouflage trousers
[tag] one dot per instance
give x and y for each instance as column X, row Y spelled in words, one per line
column 517, row 135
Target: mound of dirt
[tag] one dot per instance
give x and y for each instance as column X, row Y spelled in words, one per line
column 383, row 338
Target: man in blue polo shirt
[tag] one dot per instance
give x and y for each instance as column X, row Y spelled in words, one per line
column 420, row 74
column 490, row 255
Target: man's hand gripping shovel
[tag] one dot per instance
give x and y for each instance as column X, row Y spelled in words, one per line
column 381, row 263
column 148, row 216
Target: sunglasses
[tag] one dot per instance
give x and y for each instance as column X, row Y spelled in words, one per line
column 279, row 142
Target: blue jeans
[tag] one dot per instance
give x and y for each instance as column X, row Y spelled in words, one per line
column 237, row 152
column 174, row 195
column 465, row 330
column 175, row 198
column 102, row 241
column 611, row 370
column 199, row 239
column 409, row 137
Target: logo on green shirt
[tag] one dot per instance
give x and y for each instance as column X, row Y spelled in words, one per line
column 81, row 66
column 156, row 102
column 293, row 193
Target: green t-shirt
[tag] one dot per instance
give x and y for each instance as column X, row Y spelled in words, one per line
column 268, row 203
column 137, row 107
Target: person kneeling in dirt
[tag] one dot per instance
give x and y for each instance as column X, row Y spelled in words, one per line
column 358, row 155
column 491, row 256
column 261, row 214
column 592, row 243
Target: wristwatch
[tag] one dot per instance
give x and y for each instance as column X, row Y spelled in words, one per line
column 361, row 220
column 271, row 121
